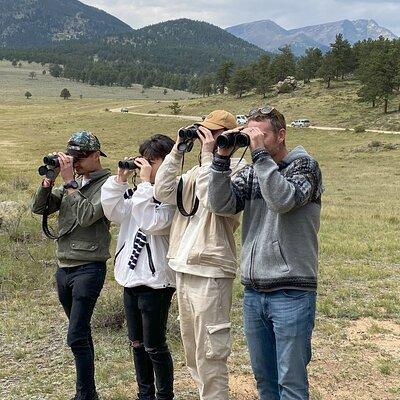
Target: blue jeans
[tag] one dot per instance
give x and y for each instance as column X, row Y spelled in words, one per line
column 278, row 327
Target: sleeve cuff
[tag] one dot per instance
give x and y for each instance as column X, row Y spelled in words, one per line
column 259, row 154
column 115, row 184
column 221, row 163
column 176, row 155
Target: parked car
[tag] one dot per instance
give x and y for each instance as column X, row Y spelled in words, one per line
column 300, row 123
column 241, row 119
column 124, row 109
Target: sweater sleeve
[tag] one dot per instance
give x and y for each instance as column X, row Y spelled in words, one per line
column 115, row 206
column 226, row 196
column 151, row 216
column 284, row 193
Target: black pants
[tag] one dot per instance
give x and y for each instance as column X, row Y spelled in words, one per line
column 78, row 290
column 146, row 311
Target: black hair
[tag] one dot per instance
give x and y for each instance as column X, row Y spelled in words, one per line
column 157, row 146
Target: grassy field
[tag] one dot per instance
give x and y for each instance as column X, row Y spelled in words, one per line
column 16, row 81
column 357, row 337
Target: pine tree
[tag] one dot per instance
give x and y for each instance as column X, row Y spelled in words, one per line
column 327, row 69
column 175, row 108
column 342, row 56
column 55, row 70
column 223, row 75
column 240, row 82
column 283, row 64
column 309, row 64
column 263, row 76
column 378, row 72
column 65, row 94
column 206, row 85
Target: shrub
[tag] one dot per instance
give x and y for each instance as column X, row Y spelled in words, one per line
column 359, row 129
column 20, row 183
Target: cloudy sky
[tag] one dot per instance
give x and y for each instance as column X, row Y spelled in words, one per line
column 287, row 13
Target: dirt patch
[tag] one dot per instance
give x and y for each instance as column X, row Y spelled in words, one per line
column 385, row 335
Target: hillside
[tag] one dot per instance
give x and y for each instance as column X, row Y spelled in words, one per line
column 26, row 23
column 270, row 36
column 187, row 45
column 171, row 54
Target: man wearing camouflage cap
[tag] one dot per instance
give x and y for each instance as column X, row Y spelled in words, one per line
column 82, row 245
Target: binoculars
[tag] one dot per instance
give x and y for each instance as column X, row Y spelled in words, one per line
column 51, row 162
column 188, row 135
column 128, row 164
column 232, row 139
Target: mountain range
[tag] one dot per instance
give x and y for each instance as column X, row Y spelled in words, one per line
column 269, row 36
column 33, row 23
column 26, row 23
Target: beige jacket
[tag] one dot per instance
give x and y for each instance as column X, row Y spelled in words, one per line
column 214, row 251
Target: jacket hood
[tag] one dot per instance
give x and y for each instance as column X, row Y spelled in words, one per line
column 297, row 152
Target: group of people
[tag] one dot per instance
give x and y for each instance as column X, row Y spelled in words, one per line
column 177, row 235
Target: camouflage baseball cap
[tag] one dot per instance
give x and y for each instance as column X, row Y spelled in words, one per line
column 83, row 141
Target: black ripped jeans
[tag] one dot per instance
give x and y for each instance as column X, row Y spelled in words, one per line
column 78, row 290
column 146, row 311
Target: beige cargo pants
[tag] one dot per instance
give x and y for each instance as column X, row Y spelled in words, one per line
column 204, row 313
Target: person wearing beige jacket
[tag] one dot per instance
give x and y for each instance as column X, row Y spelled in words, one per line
column 202, row 252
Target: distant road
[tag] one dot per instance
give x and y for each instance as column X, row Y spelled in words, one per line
column 198, row 118
column 329, row 128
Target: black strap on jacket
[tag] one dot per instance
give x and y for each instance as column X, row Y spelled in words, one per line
column 179, row 201
column 45, row 223
column 179, row 195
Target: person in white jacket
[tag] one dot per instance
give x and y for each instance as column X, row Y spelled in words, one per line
column 141, row 267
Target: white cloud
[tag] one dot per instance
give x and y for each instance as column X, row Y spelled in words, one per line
column 287, row 13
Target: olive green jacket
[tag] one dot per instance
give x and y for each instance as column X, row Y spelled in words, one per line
column 81, row 211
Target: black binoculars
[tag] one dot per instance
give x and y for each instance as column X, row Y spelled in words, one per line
column 51, row 162
column 188, row 135
column 232, row 139
column 128, row 164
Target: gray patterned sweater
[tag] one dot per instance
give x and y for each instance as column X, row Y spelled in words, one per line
column 281, row 216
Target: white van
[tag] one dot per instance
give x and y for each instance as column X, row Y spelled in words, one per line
column 241, row 119
column 300, row 123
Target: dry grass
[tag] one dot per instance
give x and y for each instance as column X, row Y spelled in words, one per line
column 357, row 334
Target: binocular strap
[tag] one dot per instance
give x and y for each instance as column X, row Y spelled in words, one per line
column 179, row 201
column 45, row 225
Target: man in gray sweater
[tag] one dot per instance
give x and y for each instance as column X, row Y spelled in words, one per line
column 280, row 196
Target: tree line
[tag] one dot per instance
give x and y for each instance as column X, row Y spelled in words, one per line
column 375, row 63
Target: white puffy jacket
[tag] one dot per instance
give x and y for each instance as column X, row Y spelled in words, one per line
column 139, row 211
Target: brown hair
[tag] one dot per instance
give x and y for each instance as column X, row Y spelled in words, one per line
column 275, row 117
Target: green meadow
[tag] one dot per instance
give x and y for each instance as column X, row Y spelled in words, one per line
column 356, row 345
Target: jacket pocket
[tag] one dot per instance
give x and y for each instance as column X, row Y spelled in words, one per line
column 81, row 245
column 280, row 261
column 218, row 341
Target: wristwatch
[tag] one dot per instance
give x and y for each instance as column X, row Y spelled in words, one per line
column 71, row 185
